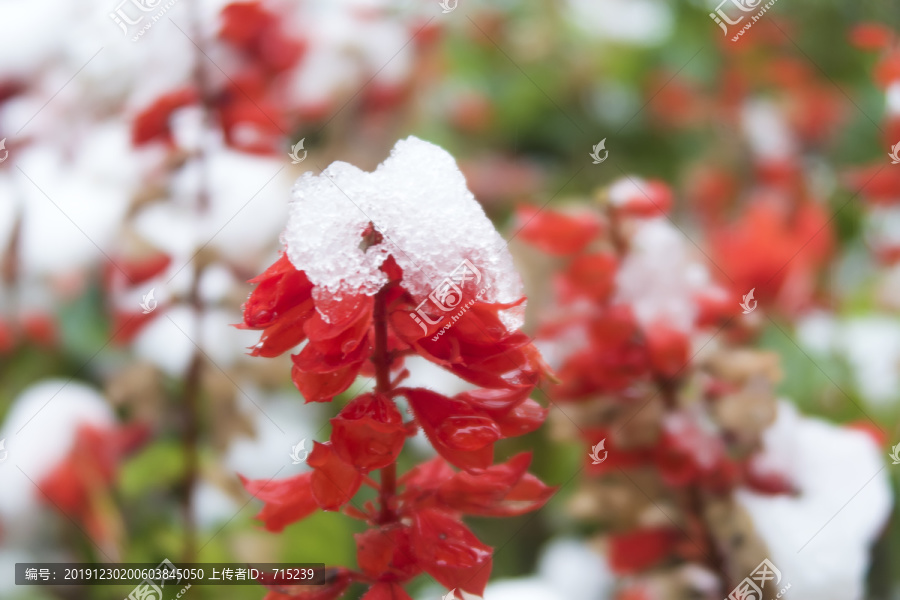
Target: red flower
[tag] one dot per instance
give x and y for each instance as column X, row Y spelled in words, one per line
column 613, row 358
column 152, row 123
column 871, row 36
column 638, row 198
column 462, row 431
column 775, row 251
column 369, row 432
column 333, row 482
column 668, row 349
column 386, row 591
column 336, row 581
column 77, row 485
column 555, row 233
column 589, row 276
column 386, row 553
column 449, row 552
column 638, row 550
column 416, row 526
column 287, row 500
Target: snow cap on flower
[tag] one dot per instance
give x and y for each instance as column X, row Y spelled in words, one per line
column 418, row 201
column 821, row 538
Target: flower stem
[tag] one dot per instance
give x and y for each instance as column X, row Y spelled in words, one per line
column 381, row 359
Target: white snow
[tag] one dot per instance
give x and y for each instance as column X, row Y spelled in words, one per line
column 870, row 344
column 820, row 540
column 659, row 277
column 269, row 452
column 419, row 201
column 892, row 99
column 638, row 22
column 764, row 127
column 48, row 414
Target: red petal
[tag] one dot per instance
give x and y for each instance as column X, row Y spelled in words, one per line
column 635, row 551
column 336, row 581
column 468, row 433
column 887, row 71
column 334, row 482
column 286, row 500
column 645, row 198
column 153, row 122
column 871, row 36
column 668, row 349
column 386, row 591
column 591, row 275
column 556, row 233
column 244, row 22
column 369, row 432
column 322, row 387
column 450, row 553
column 280, row 305
column 386, row 553
column 469, row 450
column 495, row 402
column 501, row 490
column 524, row 418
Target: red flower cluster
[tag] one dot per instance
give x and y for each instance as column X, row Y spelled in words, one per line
column 250, row 117
column 416, row 528
column 615, row 362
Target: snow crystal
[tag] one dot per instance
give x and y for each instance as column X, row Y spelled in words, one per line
column 418, row 200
